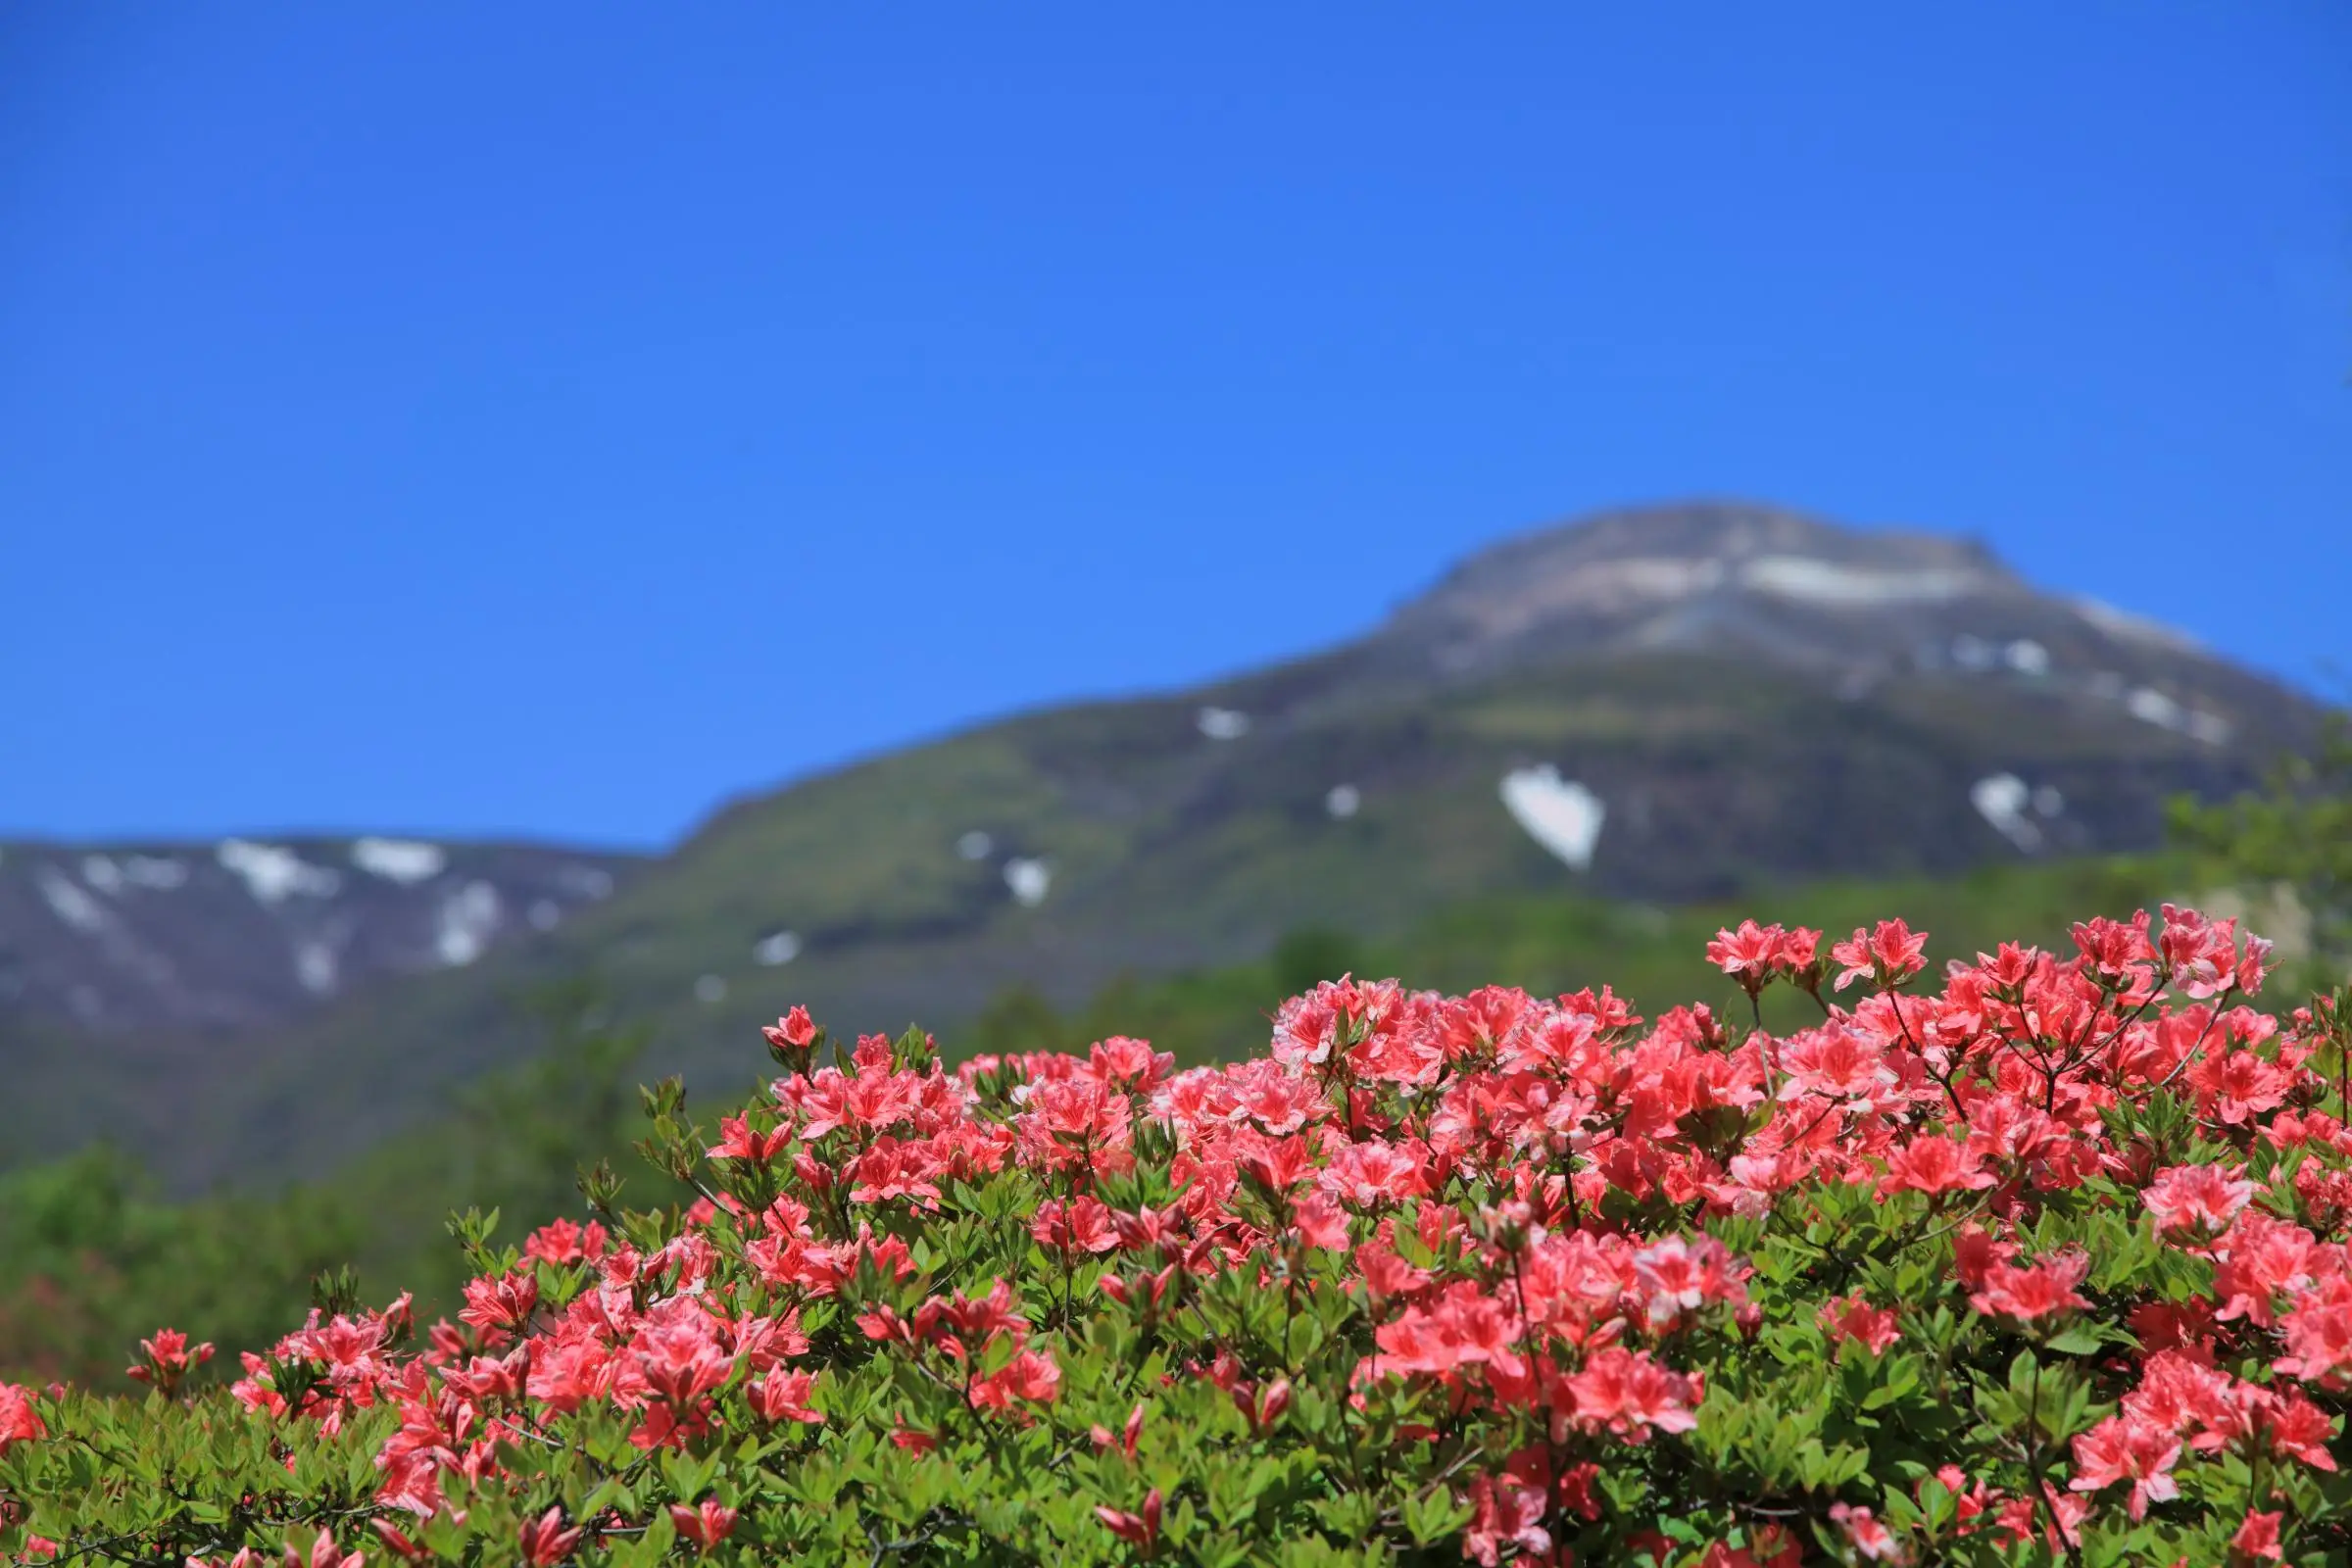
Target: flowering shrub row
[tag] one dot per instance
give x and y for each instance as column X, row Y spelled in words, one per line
column 2044, row 1263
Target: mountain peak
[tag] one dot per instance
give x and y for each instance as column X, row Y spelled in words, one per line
column 1663, row 704
column 1699, row 575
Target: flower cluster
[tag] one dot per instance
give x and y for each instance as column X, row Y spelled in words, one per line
column 166, row 1361
column 2046, row 1260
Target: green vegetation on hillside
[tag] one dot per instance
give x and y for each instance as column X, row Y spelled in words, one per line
column 1150, row 847
column 1551, row 944
column 91, row 1259
column 2037, row 1259
column 2292, row 842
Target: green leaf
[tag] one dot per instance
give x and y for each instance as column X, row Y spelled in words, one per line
column 2081, row 1340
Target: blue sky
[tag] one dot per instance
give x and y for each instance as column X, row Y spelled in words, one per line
column 475, row 419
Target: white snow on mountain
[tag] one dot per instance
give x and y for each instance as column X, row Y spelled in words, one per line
column 468, row 919
column 1561, row 814
column 2001, row 800
column 316, row 966
column 406, row 862
column 1028, row 879
column 588, row 881
column 69, row 903
column 1830, row 583
column 2124, row 626
column 2211, row 728
column 159, row 872
column 273, row 873
column 1222, row 723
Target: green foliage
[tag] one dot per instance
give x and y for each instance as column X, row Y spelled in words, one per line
column 2295, row 834
column 118, row 1259
column 1554, row 943
column 92, row 1258
column 1483, row 1276
column 1314, row 954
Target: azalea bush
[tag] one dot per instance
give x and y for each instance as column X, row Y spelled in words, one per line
column 2042, row 1262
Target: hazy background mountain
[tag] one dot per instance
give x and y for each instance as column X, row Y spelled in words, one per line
column 1656, row 706
column 238, row 936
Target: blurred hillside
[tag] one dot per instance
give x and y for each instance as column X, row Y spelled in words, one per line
column 1654, row 708
column 92, row 1256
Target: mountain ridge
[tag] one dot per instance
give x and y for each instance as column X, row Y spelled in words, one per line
column 1662, row 704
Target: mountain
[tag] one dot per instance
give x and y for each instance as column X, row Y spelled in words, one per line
column 246, row 934
column 1656, row 705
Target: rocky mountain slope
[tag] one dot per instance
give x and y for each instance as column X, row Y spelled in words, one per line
column 1660, row 704
column 246, row 934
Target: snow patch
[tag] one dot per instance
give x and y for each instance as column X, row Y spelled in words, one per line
column 273, row 873
column 2123, row 626
column 1826, row 583
column 2211, row 728
column 1558, row 814
column 2152, row 707
column 69, row 903
column 1654, row 576
column 588, row 881
column 468, row 918
column 2047, row 802
column 544, row 915
column 1606, row 586
column 2027, row 657
column 1343, row 802
column 103, row 875
column 316, row 967
column 1972, row 653
column 402, row 861
column 775, row 948
column 1029, row 879
column 975, row 846
column 1222, row 723
column 159, row 872
column 2000, row 800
